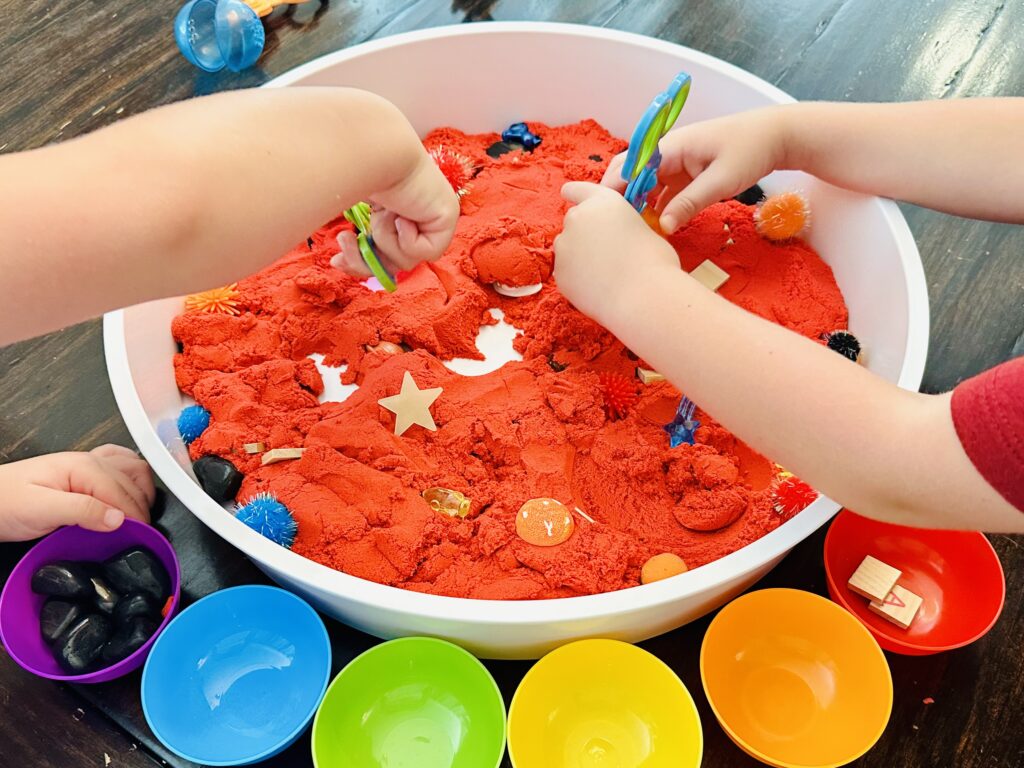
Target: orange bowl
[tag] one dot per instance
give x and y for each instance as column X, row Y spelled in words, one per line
column 795, row 680
column 957, row 573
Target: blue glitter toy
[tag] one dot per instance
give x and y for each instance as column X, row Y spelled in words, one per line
column 270, row 518
column 192, row 422
column 683, row 426
column 518, row 133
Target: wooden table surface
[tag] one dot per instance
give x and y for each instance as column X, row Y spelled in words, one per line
column 69, row 68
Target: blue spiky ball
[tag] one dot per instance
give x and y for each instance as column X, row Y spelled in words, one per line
column 192, row 422
column 269, row 517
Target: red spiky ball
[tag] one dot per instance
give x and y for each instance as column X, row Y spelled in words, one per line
column 619, row 394
column 791, row 496
column 458, row 169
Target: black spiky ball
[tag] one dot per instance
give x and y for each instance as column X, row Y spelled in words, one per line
column 843, row 342
column 751, row 196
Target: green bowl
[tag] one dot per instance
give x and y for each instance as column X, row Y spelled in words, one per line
column 411, row 703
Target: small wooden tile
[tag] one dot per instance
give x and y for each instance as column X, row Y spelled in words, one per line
column 281, row 454
column 873, row 579
column 647, row 376
column 900, row 606
column 254, row 447
column 710, row 275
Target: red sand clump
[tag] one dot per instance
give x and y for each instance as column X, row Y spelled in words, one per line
column 524, row 431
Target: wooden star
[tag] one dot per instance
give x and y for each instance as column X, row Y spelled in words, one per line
column 411, row 405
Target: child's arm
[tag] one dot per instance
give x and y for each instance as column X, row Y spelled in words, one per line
column 962, row 156
column 202, row 193
column 882, row 451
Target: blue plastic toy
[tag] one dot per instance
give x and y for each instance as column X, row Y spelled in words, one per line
column 518, row 133
column 192, row 422
column 214, row 34
column 683, row 426
column 643, row 157
column 269, row 517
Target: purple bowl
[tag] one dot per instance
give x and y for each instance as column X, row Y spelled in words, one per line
column 20, row 606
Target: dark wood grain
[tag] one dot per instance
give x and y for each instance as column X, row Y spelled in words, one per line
column 68, row 68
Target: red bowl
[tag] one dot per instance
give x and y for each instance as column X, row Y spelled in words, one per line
column 956, row 572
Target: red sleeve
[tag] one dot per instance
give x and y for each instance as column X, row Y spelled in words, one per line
column 988, row 414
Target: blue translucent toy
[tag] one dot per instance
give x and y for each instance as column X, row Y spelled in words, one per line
column 683, row 426
column 214, row 34
column 518, row 133
column 237, row 677
column 643, row 157
column 270, row 518
column 192, row 422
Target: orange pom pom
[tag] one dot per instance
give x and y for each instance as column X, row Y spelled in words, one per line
column 458, row 169
column 783, row 216
column 219, row 300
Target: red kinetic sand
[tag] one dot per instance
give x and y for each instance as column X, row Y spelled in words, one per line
column 524, row 431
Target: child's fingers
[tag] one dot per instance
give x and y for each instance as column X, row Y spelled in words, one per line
column 714, row 184
column 47, row 509
column 613, row 175
column 120, row 469
column 348, row 259
column 403, row 243
column 88, row 475
column 132, row 466
column 576, row 192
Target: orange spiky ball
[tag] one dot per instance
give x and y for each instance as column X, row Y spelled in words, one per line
column 792, row 495
column 619, row 394
column 783, row 216
column 217, row 301
column 458, row 169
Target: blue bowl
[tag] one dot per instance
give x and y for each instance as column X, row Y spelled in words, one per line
column 237, row 677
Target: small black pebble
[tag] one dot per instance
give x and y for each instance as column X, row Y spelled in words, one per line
column 135, row 605
column 82, row 643
column 751, row 196
column 309, row 243
column 104, row 597
column 63, row 579
column 845, row 343
column 56, row 616
column 218, row 477
column 138, row 570
column 556, row 366
column 499, row 148
column 180, row 346
column 129, row 638
column 596, row 158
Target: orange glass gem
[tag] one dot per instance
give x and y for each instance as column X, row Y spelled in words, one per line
column 544, row 522
column 662, row 567
column 386, row 348
column 219, row 300
column 653, row 219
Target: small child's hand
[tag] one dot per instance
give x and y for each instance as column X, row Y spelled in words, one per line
column 710, row 161
column 604, row 244
column 416, row 224
column 95, row 490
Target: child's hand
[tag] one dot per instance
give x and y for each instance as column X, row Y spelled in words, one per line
column 711, row 161
column 416, row 224
column 604, row 245
column 95, row 490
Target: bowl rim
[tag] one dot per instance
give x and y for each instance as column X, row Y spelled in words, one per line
column 425, row 640
column 505, row 613
column 129, row 663
column 838, row 594
column 297, row 731
column 628, row 648
column 844, row 615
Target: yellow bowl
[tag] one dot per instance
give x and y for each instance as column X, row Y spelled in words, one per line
column 794, row 680
column 603, row 703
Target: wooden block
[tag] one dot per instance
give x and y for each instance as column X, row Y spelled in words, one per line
column 710, row 275
column 900, row 606
column 254, row 447
column 873, row 579
column 282, row 454
column 648, row 376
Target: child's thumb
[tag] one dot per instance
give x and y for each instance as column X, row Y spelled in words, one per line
column 59, row 508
